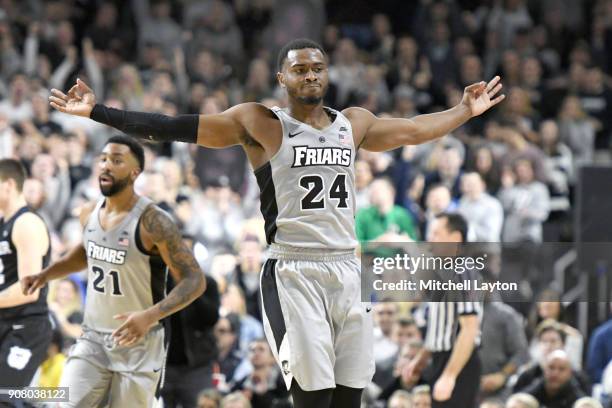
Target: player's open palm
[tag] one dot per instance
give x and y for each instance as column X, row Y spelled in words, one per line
column 79, row 100
column 482, row 96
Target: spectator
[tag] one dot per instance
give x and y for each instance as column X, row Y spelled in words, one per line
column 401, row 379
column 264, row 385
column 526, row 204
column 549, row 306
column 235, row 400
column 448, row 171
column 577, row 131
column 550, row 337
column 363, row 178
column 192, row 352
column 51, row 369
column 438, row 201
column 558, row 387
column 587, row 402
column 230, row 357
column 483, row 212
column 246, row 274
column 558, row 166
column 505, row 348
column 18, row 107
column 233, row 301
column 600, row 351
column 67, row 307
column 522, row 400
column 209, row 398
column 383, row 220
column 385, row 315
column 421, row 397
column 400, row 399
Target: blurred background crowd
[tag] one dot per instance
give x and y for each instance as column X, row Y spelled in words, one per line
column 511, row 172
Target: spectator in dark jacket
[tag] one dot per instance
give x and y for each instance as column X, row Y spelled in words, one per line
column 193, row 351
column 559, row 387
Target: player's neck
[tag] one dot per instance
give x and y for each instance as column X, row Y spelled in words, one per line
column 13, row 206
column 122, row 201
column 313, row 115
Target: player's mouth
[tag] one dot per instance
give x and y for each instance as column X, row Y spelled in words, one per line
column 105, row 180
column 312, row 86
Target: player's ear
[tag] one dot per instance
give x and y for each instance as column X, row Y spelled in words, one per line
column 280, row 77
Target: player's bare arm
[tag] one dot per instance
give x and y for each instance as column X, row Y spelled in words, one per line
column 251, row 125
column 74, row 261
column 31, row 242
column 160, row 234
column 382, row 134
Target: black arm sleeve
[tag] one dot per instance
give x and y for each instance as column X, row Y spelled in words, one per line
column 152, row 126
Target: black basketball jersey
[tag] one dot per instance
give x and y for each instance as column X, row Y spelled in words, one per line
column 9, row 274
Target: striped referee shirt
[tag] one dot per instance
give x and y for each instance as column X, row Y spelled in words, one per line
column 443, row 316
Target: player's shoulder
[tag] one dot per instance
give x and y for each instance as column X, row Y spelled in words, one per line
column 85, row 212
column 157, row 223
column 250, row 110
column 28, row 225
column 357, row 113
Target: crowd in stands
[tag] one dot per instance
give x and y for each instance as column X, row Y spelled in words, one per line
column 511, row 172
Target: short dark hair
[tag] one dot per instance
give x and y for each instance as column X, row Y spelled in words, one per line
column 455, row 222
column 13, row 169
column 298, row 44
column 135, row 147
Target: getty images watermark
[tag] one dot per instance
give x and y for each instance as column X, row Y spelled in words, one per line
column 436, row 273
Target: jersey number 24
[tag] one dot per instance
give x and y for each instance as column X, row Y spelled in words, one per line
column 314, row 184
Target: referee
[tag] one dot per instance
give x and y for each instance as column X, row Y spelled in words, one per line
column 453, row 332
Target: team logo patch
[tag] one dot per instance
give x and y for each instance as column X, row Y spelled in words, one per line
column 285, row 365
column 321, row 139
column 18, row 357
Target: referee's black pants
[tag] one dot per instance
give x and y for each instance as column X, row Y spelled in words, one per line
column 465, row 393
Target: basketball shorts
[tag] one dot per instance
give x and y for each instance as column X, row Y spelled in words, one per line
column 318, row 329
column 98, row 371
column 23, row 347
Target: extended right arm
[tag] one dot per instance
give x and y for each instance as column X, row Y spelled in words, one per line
column 74, row 261
column 218, row 130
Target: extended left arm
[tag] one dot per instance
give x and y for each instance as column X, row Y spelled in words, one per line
column 157, row 228
column 382, row 134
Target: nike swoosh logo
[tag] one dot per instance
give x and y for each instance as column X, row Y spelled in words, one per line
column 18, row 326
column 90, row 230
column 156, row 371
column 294, row 134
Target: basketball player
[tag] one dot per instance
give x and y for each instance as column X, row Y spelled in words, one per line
column 303, row 158
column 25, row 329
column 127, row 244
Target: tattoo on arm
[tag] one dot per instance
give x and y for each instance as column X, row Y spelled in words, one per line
column 178, row 257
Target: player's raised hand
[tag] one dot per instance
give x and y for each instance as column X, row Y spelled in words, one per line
column 31, row 283
column 481, row 96
column 79, row 101
column 133, row 329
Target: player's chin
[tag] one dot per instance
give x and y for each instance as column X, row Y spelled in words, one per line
column 311, row 99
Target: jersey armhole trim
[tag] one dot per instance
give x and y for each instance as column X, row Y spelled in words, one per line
column 138, row 240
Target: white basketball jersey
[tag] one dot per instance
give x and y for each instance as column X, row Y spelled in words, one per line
column 308, row 186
